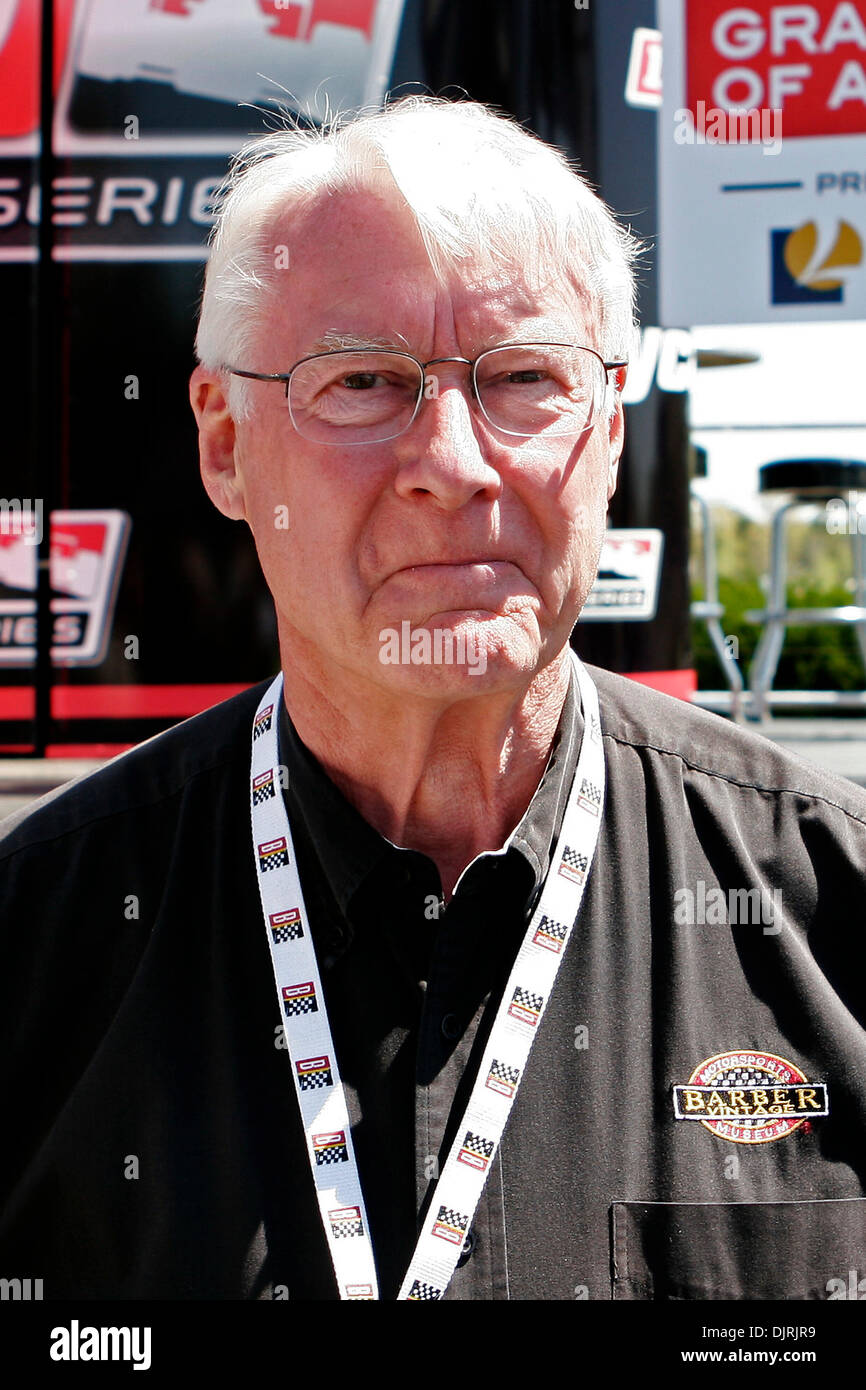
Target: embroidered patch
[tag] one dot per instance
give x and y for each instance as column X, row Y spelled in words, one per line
column 502, row 1078
column 573, row 865
column 300, row 999
column 273, row 854
column 330, row 1148
column 526, row 1006
column 263, row 787
column 450, row 1225
column 589, row 796
column 550, row 934
column 314, row 1072
column 422, row 1292
column 475, row 1151
column 286, row 926
column 262, row 722
column 346, row 1221
column 749, row 1097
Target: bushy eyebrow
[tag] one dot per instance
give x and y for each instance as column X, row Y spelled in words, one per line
column 333, row 341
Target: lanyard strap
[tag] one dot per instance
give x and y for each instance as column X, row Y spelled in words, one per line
column 310, row 1045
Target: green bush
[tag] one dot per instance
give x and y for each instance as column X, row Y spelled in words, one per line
column 823, row 657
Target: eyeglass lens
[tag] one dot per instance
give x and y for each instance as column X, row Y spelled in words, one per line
column 369, row 397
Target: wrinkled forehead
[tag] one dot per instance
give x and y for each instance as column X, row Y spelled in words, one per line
column 358, row 263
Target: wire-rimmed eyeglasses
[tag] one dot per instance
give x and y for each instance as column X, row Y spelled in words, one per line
column 370, row 395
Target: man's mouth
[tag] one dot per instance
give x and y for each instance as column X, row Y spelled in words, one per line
column 467, row 585
column 475, row 566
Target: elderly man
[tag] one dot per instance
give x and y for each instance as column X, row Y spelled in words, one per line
column 424, row 971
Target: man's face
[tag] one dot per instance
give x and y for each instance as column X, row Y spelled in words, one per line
column 452, row 526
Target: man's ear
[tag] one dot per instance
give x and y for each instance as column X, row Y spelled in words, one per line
column 216, row 443
column 616, row 431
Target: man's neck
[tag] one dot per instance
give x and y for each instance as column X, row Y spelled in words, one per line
column 449, row 779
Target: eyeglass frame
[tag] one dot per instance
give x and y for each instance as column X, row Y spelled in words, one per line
column 472, row 363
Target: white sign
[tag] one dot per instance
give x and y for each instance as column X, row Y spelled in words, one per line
column 87, row 553
column 309, row 56
column 150, row 95
column 762, row 161
column 664, row 356
column 626, row 588
column 643, row 83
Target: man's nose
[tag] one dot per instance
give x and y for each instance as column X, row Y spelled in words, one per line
column 446, row 452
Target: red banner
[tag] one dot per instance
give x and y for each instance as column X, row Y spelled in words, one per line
column 809, row 61
column 19, row 63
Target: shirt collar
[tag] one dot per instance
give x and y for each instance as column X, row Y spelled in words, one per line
column 349, row 850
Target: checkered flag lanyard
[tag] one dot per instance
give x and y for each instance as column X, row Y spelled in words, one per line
column 311, row 1048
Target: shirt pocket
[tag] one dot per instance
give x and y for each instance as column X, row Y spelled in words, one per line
column 738, row 1250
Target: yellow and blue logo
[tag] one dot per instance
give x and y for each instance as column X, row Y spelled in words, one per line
column 805, row 270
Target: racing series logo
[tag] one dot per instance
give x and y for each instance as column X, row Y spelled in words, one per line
column 150, row 98
column 749, row 1097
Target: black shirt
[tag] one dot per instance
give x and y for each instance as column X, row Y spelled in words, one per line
column 155, row 1148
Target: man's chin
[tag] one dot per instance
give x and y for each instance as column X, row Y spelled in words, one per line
column 456, row 651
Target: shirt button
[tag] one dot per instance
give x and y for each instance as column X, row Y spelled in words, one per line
column 468, row 1246
column 450, row 1027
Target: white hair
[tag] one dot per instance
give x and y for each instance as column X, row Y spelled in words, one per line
column 476, row 184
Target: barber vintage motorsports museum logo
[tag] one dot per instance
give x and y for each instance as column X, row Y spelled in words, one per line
column 749, row 1097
